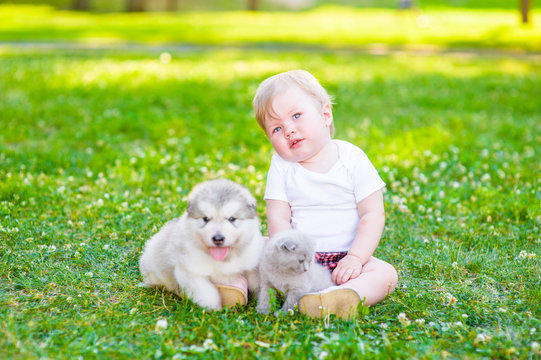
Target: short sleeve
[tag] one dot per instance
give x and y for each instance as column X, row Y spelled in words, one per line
column 365, row 177
column 276, row 189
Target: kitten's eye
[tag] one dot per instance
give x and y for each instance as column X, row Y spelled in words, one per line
column 232, row 219
column 205, row 219
column 301, row 261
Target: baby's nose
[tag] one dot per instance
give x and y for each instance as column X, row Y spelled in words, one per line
column 289, row 131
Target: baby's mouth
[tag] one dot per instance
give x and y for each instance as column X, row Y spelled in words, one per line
column 294, row 142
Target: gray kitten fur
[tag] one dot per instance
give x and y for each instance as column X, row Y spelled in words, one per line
column 288, row 266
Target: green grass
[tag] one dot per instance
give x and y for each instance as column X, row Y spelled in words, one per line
column 324, row 27
column 98, row 149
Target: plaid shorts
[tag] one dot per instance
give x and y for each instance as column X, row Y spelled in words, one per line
column 330, row 259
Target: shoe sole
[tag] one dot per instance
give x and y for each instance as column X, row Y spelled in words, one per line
column 232, row 296
column 342, row 303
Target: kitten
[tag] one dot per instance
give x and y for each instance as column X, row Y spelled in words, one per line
column 288, row 266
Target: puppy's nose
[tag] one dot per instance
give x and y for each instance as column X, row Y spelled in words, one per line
column 218, row 239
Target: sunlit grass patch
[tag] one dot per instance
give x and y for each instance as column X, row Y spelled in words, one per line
column 325, row 27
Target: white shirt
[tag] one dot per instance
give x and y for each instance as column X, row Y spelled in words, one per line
column 324, row 205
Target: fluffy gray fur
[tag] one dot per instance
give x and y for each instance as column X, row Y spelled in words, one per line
column 288, row 266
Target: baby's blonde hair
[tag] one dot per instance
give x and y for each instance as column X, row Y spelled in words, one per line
column 270, row 87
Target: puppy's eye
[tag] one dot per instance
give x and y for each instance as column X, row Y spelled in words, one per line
column 232, row 219
column 206, row 219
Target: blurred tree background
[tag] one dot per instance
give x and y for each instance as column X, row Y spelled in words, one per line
column 265, row 5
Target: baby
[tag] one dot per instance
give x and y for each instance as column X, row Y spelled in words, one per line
column 325, row 188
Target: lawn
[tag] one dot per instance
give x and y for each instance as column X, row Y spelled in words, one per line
column 99, row 148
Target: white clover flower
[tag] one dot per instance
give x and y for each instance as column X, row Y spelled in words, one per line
column 465, row 316
column 106, row 247
column 208, row 344
column 535, row 346
column 165, row 58
column 454, row 264
column 451, row 299
column 525, row 255
column 481, row 338
column 290, row 311
column 403, row 208
column 89, row 274
column 134, row 310
column 420, row 321
column 383, row 326
column 161, row 324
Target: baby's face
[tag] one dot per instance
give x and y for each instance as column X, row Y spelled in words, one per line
column 298, row 127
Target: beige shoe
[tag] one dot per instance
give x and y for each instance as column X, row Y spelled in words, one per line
column 232, row 296
column 340, row 302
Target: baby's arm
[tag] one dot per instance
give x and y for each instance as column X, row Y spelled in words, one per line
column 278, row 216
column 372, row 219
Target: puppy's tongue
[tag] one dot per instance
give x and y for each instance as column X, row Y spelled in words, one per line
column 219, row 253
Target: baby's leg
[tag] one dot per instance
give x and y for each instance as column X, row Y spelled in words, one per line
column 377, row 280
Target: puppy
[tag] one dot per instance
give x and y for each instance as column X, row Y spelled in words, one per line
column 216, row 241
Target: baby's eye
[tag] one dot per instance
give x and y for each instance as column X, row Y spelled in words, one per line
column 296, row 116
column 276, row 129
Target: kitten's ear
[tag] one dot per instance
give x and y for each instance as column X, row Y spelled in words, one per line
column 288, row 245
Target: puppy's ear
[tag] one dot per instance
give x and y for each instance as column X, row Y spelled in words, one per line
column 288, row 245
column 253, row 209
column 190, row 209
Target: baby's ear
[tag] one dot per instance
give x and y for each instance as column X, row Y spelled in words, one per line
column 288, row 245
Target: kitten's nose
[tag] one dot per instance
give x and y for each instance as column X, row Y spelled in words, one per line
column 218, row 239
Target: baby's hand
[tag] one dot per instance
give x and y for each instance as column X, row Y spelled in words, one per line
column 348, row 268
